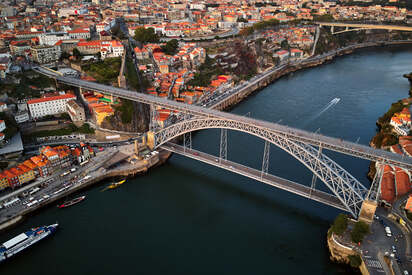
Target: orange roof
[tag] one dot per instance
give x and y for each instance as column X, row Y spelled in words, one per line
column 9, row 174
column 388, row 187
column 30, row 164
column 403, row 184
column 52, row 98
column 24, row 168
column 93, row 43
column 408, row 205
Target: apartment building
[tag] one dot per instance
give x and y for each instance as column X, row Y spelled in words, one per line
column 52, row 105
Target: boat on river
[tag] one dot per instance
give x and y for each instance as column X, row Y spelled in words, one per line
column 25, row 240
column 71, row 202
column 114, row 185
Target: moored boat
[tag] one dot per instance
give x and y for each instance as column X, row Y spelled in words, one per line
column 71, row 202
column 114, row 185
column 25, row 240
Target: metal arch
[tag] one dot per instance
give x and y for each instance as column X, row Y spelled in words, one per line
column 329, row 143
column 349, row 190
column 374, row 191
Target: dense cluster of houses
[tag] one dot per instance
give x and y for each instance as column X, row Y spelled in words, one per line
column 396, row 181
column 49, row 161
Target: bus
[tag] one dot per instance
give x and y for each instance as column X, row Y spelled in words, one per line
column 34, row 190
column 65, row 174
column 84, row 162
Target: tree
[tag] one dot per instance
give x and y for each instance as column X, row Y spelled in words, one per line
column 146, row 35
column 340, row 224
column 64, row 55
column 241, row 19
column 170, row 47
column 359, row 231
column 285, row 44
column 355, row 261
column 76, row 53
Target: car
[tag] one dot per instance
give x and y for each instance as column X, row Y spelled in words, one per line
column 393, row 249
column 231, row 167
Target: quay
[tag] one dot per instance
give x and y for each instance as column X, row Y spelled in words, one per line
column 120, row 162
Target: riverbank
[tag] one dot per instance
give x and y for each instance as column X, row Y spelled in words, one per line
column 386, row 135
column 123, row 170
column 272, row 74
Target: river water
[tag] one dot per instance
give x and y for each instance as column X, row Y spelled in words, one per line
column 190, row 218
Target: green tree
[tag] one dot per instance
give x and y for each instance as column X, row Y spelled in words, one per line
column 76, row 53
column 355, row 261
column 241, row 19
column 340, row 224
column 146, row 35
column 285, row 44
column 170, row 47
column 64, row 55
column 359, row 231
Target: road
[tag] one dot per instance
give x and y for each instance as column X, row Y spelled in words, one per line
column 51, row 187
column 231, row 32
column 330, row 143
column 272, row 180
column 377, row 244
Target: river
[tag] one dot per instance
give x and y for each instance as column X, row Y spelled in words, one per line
column 186, row 217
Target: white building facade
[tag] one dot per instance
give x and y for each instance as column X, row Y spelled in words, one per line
column 53, row 105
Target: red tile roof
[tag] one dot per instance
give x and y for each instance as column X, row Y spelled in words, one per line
column 52, row 98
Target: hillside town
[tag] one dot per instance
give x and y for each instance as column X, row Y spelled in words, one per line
column 86, row 87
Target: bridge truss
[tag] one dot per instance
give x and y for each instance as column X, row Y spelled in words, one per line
column 343, row 185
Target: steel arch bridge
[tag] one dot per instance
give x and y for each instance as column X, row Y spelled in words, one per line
column 343, row 185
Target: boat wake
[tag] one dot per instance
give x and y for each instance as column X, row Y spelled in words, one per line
column 332, row 103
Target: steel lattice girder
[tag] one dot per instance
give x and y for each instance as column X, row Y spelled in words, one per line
column 343, row 185
column 374, row 190
column 329, row 143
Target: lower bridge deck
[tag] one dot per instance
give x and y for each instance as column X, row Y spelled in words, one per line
column 272, row 180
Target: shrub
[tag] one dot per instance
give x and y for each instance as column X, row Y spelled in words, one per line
column 359, row 231
column 355, row 261
column 340, row 224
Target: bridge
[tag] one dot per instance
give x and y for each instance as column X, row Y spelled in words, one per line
column 355, row 27
column 306, row 147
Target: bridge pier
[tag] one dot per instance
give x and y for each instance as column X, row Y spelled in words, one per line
column 151, row 140
column 368, row 210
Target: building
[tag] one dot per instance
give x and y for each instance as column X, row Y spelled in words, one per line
column 408, row 205
column 141, row 53
column 53, row 105
column 21, row 116
column 57, row 157
column 82, row 153
column 19, row 47
column 42, row 165
column 76, row 113
column 12, row 178
column 4, row 183
column 79, row 34
column 283, row 54
column 89, row 47
column 45, row 54
column 3, row 106
column 2, row 125
column 51, row 39
column 25, row 174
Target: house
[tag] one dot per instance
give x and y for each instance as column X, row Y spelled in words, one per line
column 52, row 105
column 283, row 54
column 296, row 53
column 45, row 54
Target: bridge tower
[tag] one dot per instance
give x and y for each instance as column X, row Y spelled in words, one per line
column 370, row 204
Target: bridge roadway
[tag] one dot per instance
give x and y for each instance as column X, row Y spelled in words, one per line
column 318, row 140
column 252, row 173
column 365, row 26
